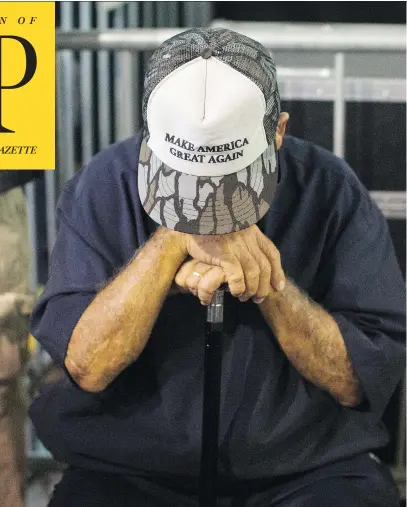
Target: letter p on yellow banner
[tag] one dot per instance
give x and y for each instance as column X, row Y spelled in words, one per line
column 27, row 85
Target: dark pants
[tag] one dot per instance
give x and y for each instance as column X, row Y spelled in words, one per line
column 364, row 483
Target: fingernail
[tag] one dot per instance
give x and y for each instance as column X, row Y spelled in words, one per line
column 258, row 301
column 243, row 300
column 281, row 285
column 204, row 304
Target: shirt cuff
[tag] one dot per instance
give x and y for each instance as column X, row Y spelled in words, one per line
column 378, row 362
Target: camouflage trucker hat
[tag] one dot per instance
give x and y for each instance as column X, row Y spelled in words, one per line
column 208, row 162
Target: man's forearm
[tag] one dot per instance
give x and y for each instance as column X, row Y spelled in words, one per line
column 313, row 343
column 114, row 329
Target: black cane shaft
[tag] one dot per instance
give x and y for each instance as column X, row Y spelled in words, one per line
column 211, row 402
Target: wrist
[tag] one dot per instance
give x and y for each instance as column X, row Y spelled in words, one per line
column 174, row 241
column 274, row 298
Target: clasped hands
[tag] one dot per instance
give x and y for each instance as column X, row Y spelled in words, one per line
column 246, row 260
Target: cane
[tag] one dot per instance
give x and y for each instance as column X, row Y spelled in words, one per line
column 211, row 400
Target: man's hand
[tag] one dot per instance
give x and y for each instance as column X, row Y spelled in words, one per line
column 200, row 279
column 249, row 260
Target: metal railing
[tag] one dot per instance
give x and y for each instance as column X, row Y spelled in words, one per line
column 286, row 36
column 337, row 39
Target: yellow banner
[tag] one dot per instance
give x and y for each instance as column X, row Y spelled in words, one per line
column 27, row 85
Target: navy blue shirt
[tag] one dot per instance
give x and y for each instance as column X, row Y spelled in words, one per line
column 334, row 244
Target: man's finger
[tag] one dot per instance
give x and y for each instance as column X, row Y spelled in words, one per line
column 194, row 277
column 183, row 273
column 264, row 287
column 277, row 277
column 209, row 283
column 251, row 272
column 233, row 274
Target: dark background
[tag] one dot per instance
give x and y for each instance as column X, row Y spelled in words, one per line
column 305, row 12
column 310, row 12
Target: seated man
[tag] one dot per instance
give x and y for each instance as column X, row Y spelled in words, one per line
column 211, row 193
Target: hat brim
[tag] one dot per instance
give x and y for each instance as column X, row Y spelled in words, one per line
column 202, row 204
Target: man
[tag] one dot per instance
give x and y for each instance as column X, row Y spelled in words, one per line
column 15, row 307
column 314, row 327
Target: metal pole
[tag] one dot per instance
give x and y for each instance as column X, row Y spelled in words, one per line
column 103, row 78
column 173, row 17
column 162, row 14
column 207, row 12
column 32, row 235
column 320, row 36
column 211, row 401
column 134, row 21
column 50, row 208
column 124, row 100
column 66, row 102
column 86, row 87
column 149, row 21
column 339, row 106
column 276, row 36
column 191, row 9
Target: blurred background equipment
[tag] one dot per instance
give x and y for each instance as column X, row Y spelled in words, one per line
column 15, row 307
column 342, row 78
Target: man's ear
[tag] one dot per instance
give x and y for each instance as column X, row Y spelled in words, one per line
column 281, row 126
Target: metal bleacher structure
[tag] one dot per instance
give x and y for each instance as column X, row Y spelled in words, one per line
column 102, row 50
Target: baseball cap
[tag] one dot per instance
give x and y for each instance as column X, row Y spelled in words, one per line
column 208, row 160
